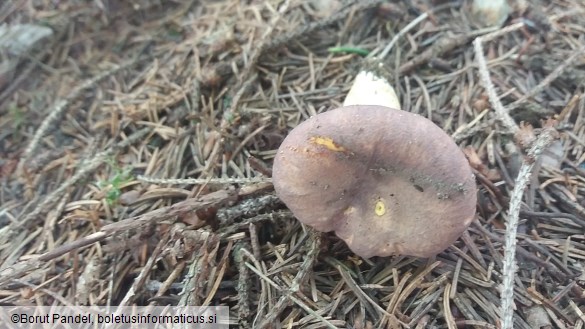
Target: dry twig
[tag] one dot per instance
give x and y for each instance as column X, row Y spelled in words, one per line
column 501, row 113
column 507, row 305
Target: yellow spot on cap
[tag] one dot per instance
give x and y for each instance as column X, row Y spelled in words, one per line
column 328, row 143
column 380, row 208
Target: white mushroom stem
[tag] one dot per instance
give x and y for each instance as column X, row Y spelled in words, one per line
column 370, row 88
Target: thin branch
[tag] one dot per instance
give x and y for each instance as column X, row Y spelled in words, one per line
column 484, row 74
column 409, row 27
column 195, row 181
column 507, row 298
column 402, row 32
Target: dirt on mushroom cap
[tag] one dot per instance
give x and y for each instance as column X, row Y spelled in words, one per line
column 386, row 181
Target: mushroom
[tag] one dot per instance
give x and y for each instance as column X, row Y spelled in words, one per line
column 490, row 13
column 386, row 181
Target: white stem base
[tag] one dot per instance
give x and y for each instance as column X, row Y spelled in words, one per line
column 370, row 89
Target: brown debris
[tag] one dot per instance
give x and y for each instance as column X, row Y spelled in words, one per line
column 209, row 89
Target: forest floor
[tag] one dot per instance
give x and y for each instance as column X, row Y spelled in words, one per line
column 102, row 118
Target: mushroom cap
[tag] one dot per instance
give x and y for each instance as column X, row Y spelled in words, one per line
column 386, row 181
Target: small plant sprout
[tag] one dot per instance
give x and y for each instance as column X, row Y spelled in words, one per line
column 112, row 187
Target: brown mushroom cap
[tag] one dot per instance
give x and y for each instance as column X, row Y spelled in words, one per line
column 386, row 181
